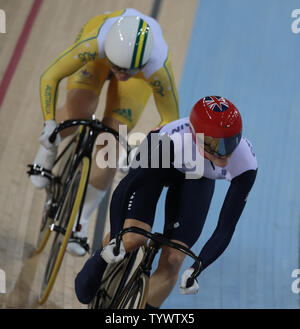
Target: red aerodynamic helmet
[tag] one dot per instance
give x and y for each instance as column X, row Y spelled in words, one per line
column 220, row 122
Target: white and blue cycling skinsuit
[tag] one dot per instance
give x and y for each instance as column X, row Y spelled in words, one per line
column 187, row 200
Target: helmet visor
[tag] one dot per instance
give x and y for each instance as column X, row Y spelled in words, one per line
column 220, row 147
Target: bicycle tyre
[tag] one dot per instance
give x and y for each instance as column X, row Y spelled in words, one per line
column 44, row 232
column 53, row 193
column 67, row 217
column 113, row 280
column 134, row 295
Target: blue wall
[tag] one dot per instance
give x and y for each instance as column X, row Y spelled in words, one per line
column 245, row 50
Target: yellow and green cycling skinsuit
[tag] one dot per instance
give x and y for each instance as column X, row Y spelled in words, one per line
column 87, row 67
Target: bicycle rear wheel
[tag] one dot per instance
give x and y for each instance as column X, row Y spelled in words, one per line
column 135, row 293
column 53, row 192
column 66, row 219
column 113, row 280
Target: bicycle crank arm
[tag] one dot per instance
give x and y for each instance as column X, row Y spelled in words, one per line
column 35, row 169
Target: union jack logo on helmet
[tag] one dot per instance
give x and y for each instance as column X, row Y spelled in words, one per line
column 216, row 103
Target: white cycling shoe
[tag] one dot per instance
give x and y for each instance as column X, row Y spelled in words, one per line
column 77, row 246
column 45, row 158
column 78, row 242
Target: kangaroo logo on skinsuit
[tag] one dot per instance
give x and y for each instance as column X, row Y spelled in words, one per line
column 87, row 56
column 158, row 87
column 216, row 103
column 2, row 21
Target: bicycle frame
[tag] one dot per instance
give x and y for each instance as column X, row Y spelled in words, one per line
column 96, row 127
column 157, row 241
column 77, row 164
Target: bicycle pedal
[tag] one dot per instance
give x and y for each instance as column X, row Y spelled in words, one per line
column 58, row 229
column 82, row 241
column 36, row 169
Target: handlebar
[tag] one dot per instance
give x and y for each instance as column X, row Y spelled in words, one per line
column 160, row 239
column 94, row 124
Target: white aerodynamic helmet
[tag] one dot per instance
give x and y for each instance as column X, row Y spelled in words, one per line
column 129, row 43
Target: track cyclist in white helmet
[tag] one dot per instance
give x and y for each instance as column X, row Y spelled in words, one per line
column 127, row 48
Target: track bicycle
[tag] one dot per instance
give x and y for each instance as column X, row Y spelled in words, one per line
column 65, row 192
column 122, row 289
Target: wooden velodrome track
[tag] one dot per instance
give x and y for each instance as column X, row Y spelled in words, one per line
column 55, row 28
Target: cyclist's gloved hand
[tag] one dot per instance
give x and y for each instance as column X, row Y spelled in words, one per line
column 108, row 255
column 191, row 290
column 49, row 127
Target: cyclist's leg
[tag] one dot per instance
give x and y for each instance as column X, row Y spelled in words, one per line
column 84, row 87
column 192, row 197
column 80, row 104
column 83, row 90
column 137, row 183
column 165, row 276
column 138, row 194
column 125, row 103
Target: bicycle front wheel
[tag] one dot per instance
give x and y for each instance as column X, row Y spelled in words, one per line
column 47, row 220
column 66, row 219
column 113, row 280
column 135, row 293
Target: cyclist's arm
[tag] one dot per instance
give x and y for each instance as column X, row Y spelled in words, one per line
column 231, row 211
column 165, row 93
column 64, row 65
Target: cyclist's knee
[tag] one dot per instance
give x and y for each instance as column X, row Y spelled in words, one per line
column 174, row 262
column 171, row 261
column 106, row 240
column 102, row 140
column 131, row 240
column 114, row 123
column 81, row 103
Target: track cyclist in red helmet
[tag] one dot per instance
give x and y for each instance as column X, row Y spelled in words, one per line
column 211, row 141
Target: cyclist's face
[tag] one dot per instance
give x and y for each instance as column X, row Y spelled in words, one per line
column 221, row 161
column 121, row 76
column 209, row 152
